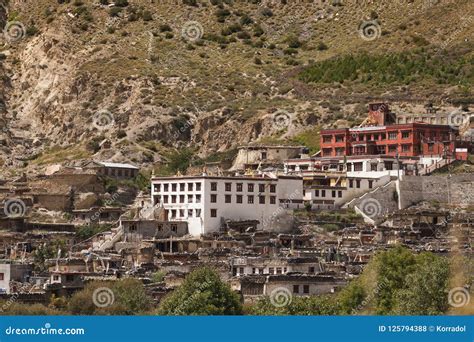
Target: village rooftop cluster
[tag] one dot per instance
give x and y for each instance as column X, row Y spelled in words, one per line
column 278, row 217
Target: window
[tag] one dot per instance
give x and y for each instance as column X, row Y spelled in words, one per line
column 405, row 134
column 174, row 186
column 405, row 148
column 339, row 138
column 351, row 183
column 181, row 198
column 333, row 193
column 213, row 198
column 182, row 186
column 316, row 193
column 250, row 187
column 133, row 228
column 327, row 151
column 239, row 187
column 358, row 166
column 392, row 135
column 2, row 276
column 213, row 186
column 327, row 138
column 166, row 187
column 173, row 198
column 157, row 187
column 190, row 186
column 272, row 188
column 228, row 186
column 323, row 193
column 198, row 212
column 272, row 200
column 261, row 188
column 55, row 277
column 278, row 270
column 261, row 199
column 190, row 213
column 296, row 289
column 228, row 198
column 165, row 199
column 213, row 212
column 311, row 269
column 190, row 198
column 430, row 147
column 250, row 199
column 381, row 149
column 198, row 198
column 371, row 184
column 174, row 228
column 160, row 227
column 305, row 288
column 198, row 186
column 181, row 212
column 239, row 199
column 339, row 193
column 392, row 148
column 271, row 270
column 357, row 183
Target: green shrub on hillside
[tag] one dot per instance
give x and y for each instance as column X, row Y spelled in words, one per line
column 401, row 68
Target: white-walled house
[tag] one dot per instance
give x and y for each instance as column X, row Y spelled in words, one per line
column 204, row 202
column 12, row 271
column 332, row 182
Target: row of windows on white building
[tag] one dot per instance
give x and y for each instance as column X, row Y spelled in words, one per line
column 239, row 199
column 173, row 187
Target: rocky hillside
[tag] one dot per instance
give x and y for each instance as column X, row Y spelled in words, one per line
column 207, row 75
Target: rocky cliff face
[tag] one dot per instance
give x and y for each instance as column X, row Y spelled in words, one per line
column 151, row 76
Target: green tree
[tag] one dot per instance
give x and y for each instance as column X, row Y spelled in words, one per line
column 351, row 297
column 426, row 287
column 129, row 298
column 202, row 293
column 301, row 306
column 393, row 267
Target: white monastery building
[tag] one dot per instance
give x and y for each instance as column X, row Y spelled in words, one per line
column 204, row 202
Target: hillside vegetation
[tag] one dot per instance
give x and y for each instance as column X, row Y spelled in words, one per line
column 212, row 74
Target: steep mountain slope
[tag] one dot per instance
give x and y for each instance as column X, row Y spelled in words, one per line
column 209, row 75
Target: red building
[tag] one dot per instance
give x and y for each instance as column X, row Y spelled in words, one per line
column 410, row 140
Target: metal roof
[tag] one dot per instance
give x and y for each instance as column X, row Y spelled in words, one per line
column 118, row 165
